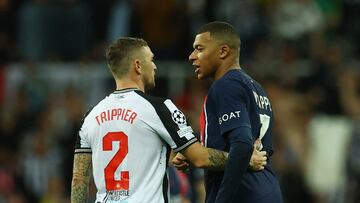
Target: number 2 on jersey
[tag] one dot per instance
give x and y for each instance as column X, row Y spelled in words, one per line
column 110, row 169
column 265, row 121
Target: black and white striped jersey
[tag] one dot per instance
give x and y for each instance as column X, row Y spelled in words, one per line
column 130, row 135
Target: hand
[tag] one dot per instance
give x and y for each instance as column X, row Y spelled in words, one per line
column 258, row 158
column 258, row 145
column 180, row 162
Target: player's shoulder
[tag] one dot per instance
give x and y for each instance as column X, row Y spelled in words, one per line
column 161, row 105
column 85, row 118
column 96, row 108
column 232, row 80
column 153, row 100
column 233, row 77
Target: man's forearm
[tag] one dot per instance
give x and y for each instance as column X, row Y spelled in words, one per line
column 79, row 191
column 80, row 180
column 217, row 159
column 212, row 159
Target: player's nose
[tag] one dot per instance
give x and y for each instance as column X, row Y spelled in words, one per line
column 192, row 56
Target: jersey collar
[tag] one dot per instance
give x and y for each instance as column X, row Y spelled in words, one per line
column 125, row 90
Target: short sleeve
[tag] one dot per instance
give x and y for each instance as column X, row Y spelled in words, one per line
column 230, row 100
column 175, row 130
column 82, row 144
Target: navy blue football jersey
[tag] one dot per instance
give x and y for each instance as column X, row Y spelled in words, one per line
column 236, row 100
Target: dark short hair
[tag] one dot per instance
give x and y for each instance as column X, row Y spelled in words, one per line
column 121, row 52
column 222, row 31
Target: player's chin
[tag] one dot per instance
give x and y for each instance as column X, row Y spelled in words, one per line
column 150, row 86
column 200, row 76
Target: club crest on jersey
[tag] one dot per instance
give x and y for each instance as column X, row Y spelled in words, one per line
column 178, row 117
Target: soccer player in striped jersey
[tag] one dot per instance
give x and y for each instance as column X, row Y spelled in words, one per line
column 128, row 136
column 236, row 112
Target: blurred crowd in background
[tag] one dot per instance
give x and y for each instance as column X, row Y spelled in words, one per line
column 304, row 52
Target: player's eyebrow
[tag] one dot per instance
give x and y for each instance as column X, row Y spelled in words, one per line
column 197, row 46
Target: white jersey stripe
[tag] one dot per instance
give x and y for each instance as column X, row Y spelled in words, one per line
column 206, row 126
column 88, row 150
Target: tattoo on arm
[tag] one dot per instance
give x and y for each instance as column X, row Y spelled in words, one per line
column 217, row 159
column 81, row 176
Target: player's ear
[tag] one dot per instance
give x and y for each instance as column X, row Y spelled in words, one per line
column 224, row 51
column 137, row 64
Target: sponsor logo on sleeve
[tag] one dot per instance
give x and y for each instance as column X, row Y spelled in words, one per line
column 228, row 116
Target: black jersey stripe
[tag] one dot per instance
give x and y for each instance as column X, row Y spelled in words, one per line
column 185, row 145
column 165, row 180
column 77, row 143
column 165, row 116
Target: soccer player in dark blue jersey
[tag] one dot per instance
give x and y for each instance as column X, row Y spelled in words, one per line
column 236, row 112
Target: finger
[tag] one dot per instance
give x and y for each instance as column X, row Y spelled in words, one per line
column 179, row 162
column 176, row 164
column 263, row 158
column 175, row 161
column 180, row 166
column 184, row 164
column 180, row 158
column 257, row 143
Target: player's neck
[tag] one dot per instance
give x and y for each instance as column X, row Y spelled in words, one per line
column 225, row 68
column 125, row 84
